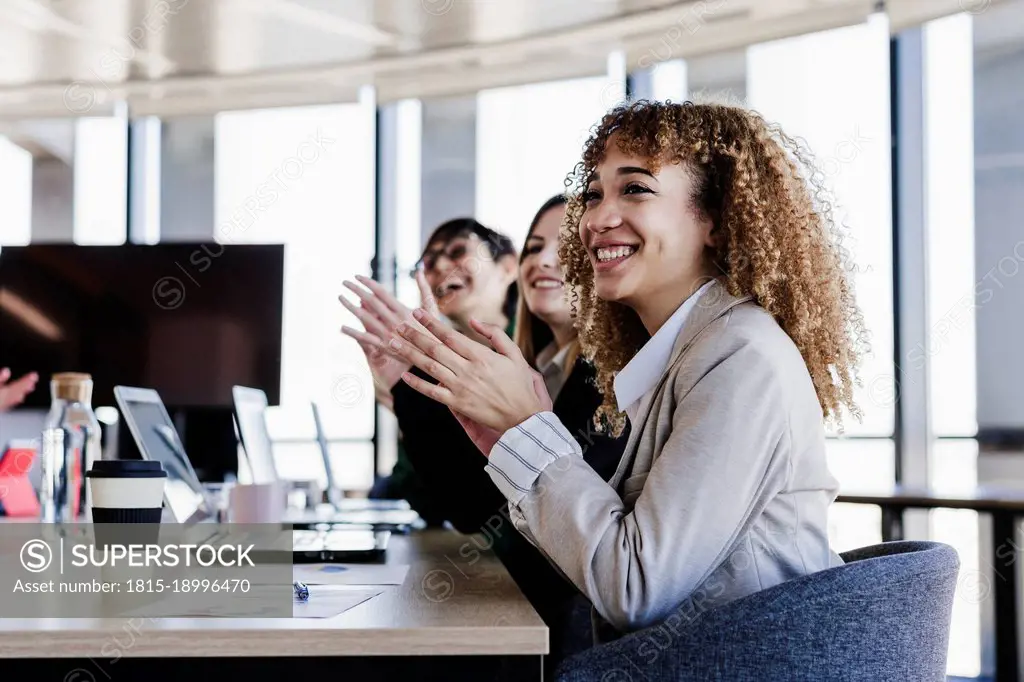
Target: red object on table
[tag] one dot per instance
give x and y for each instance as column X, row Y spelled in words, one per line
column 17, row 496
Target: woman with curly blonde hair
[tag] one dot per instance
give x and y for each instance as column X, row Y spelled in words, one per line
column 712, row 297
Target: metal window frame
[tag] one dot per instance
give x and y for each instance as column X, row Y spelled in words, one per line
column 912, row 431
column 385, row 260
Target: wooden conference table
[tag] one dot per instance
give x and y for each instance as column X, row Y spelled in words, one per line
column 453, row 618
column 1006, row 506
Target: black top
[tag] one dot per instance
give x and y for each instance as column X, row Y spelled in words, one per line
column 126, row 468
column 452, row 471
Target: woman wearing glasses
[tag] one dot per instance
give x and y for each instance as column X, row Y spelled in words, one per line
column 467, row 271
column 715, row 303
column 450, row 464
column 471, row 272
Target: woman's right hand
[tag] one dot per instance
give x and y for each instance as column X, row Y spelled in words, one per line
column 14, row 393
column 385, row 369
column 381, row 313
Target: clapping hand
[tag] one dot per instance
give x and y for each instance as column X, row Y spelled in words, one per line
column 13, row 393
column 490, row 391
column 485, row 437
column 381, row 313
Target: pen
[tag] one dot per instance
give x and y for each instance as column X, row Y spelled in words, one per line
column 301, row 591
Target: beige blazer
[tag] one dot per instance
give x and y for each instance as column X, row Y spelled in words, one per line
column 723, row 489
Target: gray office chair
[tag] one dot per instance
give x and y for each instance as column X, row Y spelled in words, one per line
column 883, row 616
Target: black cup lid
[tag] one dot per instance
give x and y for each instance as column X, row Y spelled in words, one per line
column 126, row 468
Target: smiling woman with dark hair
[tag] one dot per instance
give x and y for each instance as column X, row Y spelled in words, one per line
column 469, row 267
column 467, row 271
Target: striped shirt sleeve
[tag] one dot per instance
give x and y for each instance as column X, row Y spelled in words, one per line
column 522, row 453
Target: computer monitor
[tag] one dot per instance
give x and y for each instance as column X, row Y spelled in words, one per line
column 157, row 440
column 190, row 320
column 250, row 418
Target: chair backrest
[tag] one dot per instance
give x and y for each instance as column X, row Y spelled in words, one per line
column 884, row 615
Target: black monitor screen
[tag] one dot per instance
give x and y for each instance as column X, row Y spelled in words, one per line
column 189, row 320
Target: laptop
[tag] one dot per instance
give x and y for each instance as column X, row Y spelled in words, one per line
column 250, row 405
column 187, row 502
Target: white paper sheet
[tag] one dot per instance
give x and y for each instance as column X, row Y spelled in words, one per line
column 327, row 603
column 351, row 574
column 259, row 602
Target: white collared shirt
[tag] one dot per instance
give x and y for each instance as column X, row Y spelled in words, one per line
column 523, row 451
column 551, row 365
column 641, row 374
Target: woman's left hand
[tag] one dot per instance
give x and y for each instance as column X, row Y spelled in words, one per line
column 484, row 437
column 496, row 390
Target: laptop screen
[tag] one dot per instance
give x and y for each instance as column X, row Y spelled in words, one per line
column 250, row 405
column 160, row 442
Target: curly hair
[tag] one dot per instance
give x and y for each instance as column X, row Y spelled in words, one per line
column 776, row 240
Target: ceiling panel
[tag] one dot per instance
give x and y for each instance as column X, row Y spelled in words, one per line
column 114, row 40
column 907, row 13
column 719, row 26
column 77, row 57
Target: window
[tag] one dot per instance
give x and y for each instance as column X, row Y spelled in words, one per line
column 830, row 88
column 949, row 195
column 998, row 97
column 949, row 178
column 65, row 180
column 953, row 467
column 974, row 147
column 351, row 463
column 858, row 465
column 529, row 138
column 50, row 144
column 304, row 177
column 101, row 180
column 15, row 194
column 669, row 80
